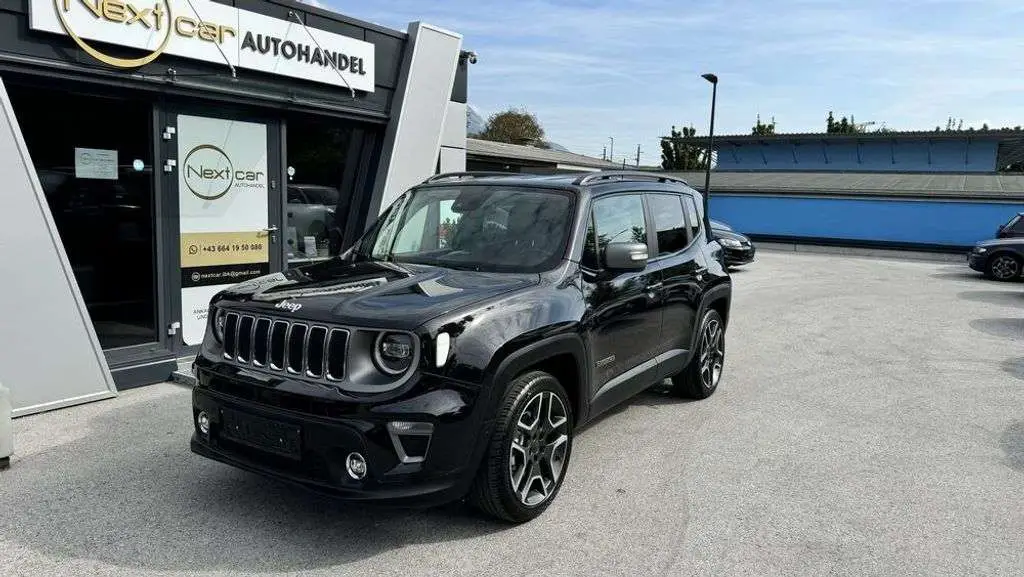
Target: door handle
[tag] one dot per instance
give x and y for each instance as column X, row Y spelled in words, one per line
column 271, row 228
column 655, row 286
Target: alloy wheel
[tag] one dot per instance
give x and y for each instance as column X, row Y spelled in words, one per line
column 1005, row 267
column 712, row 354
column 539, row 444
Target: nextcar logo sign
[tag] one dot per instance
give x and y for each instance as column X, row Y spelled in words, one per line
column 204, row 30
column 210, row 174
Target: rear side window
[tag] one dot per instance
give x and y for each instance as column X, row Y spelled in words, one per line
column 619, row 219
column 691, row 215
column 673, row 233
column 1016, row 224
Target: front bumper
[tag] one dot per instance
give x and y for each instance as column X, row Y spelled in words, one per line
column 736, row 256
column 976, row 261
column 399, row 468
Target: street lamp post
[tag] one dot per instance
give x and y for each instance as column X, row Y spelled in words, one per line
column 611, row 151
column 711, row 138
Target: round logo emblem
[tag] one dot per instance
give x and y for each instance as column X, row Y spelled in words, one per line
column 208, row 172
column 150, row 17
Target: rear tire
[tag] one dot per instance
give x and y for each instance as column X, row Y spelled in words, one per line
column 1004, row 267
column 528, row 455
column 700, row 378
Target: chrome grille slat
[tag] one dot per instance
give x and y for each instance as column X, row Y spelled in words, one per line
column 244, row 337
column 230, row 330
column 284, row 343
column 261, row 358
column 315, row 352
column 337, row 339
column 316, row 344
column 293, row 367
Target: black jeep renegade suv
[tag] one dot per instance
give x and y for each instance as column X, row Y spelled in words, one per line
column 454, row 349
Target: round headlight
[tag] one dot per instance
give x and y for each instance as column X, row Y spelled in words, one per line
column 393, row 353
column 219, row 319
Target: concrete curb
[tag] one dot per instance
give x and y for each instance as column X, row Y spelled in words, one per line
column 184, row 376
column 866, row 252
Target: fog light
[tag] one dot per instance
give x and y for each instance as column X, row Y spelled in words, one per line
column 203, row 420
column 355, row 464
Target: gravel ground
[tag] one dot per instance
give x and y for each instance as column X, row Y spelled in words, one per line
column 870, row 422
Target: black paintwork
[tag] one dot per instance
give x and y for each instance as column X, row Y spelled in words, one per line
column 739, row 252
column 604, row 335
column 983, row 252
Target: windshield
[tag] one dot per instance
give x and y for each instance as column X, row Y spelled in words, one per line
column 484, row 228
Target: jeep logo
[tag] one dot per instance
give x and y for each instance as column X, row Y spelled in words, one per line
column 288, row 306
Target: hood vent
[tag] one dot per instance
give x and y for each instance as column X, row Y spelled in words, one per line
column 347, row 288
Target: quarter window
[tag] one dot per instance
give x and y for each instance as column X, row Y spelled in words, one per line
column 619, row 219
column 692, row 215
column 669, row 222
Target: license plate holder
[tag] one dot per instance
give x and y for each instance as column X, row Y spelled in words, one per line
column 260, row 433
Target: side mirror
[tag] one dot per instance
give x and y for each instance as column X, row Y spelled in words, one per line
column 621, row 256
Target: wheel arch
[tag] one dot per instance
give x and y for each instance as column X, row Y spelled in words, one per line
column 718, row 298
column 563, row 356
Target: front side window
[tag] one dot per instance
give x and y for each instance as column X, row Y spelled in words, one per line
column 619, row 219
column 474, row 227
column 669, row 222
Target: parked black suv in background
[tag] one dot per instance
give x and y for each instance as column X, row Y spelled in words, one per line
column 457, row 346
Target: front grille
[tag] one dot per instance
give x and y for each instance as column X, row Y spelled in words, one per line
column 297, row 348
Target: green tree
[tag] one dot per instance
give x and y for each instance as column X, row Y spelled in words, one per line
column 762, row 128
column 514, row 126
column 842, row 126
column 681, row 151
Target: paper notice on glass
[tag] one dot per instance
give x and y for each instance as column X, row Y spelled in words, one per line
column 96, row 163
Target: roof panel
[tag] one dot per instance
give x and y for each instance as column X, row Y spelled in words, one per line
column 998, row 186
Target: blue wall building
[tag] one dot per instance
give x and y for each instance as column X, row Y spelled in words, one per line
column 937, row 191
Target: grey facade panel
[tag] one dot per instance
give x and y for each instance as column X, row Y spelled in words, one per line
column 50, row 356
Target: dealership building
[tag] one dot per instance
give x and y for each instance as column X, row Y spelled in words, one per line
column 153, row 152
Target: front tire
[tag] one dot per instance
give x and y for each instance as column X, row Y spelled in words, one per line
column 1004, row 267
column 528, row 455
column 700, row 378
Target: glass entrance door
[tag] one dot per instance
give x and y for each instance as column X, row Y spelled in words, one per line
column 228, row 209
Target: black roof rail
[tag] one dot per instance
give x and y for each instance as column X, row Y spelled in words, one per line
column 626, row 175
column 461, row 175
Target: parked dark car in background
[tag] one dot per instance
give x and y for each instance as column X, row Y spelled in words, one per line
column 1012, row 229
column 737, row 247
column 1000, row 259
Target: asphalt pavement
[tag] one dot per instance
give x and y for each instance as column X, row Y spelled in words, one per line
column 870, row 421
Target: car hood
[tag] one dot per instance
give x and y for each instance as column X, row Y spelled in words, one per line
column 372, row 294
column 718, row 233
column 1018, row 242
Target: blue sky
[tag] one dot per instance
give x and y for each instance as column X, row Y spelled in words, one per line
column 631, row 69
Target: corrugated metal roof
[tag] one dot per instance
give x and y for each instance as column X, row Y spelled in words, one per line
column 974, row 134
column 987, row 186
column 489, row 149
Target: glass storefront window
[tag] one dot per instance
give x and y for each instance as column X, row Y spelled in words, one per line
column 316, row 209
column 93, row 156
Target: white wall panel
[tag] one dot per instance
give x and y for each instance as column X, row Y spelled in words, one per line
column 49, row 354
column 412, row 141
